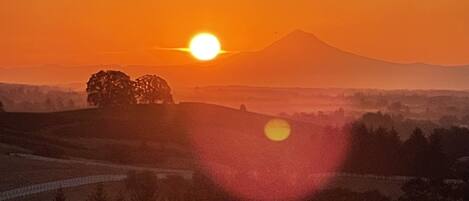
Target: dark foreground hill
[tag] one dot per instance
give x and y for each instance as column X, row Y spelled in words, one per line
column 152, row 133
column 143, row 122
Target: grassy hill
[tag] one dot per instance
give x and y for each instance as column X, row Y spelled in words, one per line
column 18, row 172
column 150, row 134
column 143, row 122
column 182, row 135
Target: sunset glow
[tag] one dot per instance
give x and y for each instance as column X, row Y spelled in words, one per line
column 241, row 100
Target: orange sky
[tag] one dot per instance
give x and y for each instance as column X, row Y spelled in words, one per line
column 36, row 32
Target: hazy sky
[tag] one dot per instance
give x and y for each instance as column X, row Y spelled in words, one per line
column 35, row 32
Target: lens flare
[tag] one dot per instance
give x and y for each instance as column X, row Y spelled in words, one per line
column 255, row 158
column 277, row 130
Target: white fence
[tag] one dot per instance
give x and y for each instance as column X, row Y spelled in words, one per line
column 161, row 173
column 186, row 174
column 50, row 186
column 79, row 181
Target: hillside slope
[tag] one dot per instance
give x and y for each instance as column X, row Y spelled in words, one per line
column 208, row 132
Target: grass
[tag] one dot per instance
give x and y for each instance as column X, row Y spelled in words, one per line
column 80, row 193
column 159, row 136
column 19, row 172
column 149, row 134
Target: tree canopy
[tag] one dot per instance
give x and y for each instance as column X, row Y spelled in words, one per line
column 151, row 89
column 1, row 107
column 115, row 88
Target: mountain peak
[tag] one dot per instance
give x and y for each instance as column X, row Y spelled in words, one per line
column 298, row 40
column 298, row 33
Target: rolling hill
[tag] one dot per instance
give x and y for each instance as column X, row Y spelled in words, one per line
column 93, row 132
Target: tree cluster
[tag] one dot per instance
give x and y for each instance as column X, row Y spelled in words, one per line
column 380, row 151
column 146, row 186
column 115, row 88
column 434, row 190
column 1, row 107
column 339, row 194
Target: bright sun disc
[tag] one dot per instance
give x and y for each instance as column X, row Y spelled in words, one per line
column 204, row 46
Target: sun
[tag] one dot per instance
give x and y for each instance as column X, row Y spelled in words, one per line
column 204, row 46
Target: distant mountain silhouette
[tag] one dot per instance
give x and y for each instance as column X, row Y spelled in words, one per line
column 299, row 59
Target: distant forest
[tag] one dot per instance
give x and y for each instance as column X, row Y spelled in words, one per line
column 29, row 98
column 402, row 110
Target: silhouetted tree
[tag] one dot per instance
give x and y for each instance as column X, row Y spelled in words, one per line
column 390, row 148
column 110, row 88
column 373, row 151
column 360, row 141
column 243, row 108
column 430, row 190
column 438, row 163
column 99, row 195
column 152, row 89
column 142, row 186
column 413, row 153
column 2, row 109
column 59, row 195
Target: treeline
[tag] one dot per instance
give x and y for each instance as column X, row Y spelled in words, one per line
column 381, row 151
column 104, row 88
column 146, row 186
column 26, row 98
column 115, row 88
column 404, row 126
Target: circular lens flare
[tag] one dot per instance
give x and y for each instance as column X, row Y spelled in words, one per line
column 232, row 150
column 277, row 130
column 204, row 46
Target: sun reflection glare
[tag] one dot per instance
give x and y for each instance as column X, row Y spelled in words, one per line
column 277, row 130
